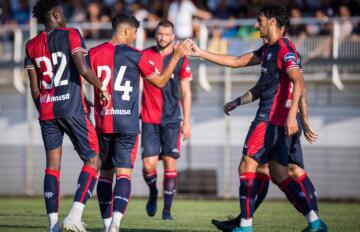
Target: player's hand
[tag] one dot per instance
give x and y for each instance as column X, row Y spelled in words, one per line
column 291, row 125
column 105, row 98
column 230, row 106
column 195, row 50
column 186, row 131
column 182, row 48
column 309, row 133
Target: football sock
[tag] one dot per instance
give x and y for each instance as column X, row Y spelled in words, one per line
column 104, row 193
column 85, row 186
column 52, row 191
column 309, row 190
column 247, row 193
column 121, row 195
column 150, row 180
column 169, row 188
column 262, row 180
column 296, row 196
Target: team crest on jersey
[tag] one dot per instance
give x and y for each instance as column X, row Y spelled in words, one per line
column 269, row 56
column 290, row 57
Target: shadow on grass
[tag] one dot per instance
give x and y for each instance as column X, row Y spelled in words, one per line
column 5, row 226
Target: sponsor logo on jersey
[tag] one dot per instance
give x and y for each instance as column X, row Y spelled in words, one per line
column 113, row 111
column 47, row 98
column 290, row 57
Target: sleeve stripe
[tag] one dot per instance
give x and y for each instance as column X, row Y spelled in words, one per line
column 29, row 67
column 78, row 49
column 293, row 67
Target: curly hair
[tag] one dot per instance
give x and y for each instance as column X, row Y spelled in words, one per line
column 277, row 11
column 42, row 9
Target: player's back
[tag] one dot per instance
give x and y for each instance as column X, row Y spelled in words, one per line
column 118, row 68
column 60, row 82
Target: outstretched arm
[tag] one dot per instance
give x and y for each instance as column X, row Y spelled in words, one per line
column 246, row 59
column 160, row 79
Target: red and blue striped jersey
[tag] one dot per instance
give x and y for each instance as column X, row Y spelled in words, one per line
column 61, row 93
column 161, row 106
column 274, row 85
column 119, row 68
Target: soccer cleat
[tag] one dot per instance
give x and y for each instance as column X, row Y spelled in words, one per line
column 114, row 228
column 151, row 205
column 243, row 229
column 166, row 215
column 70, row 225
column 55, row 228
column 228, row 225
column 316, row 226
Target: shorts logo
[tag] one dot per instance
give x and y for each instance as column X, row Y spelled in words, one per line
column 290, row 57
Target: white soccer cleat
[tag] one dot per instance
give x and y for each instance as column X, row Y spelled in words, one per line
column 114, row 228
column 70, row 225
column 55, row 228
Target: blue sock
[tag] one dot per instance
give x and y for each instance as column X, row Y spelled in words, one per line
column 247, row 193
column 263, row 181
column 52, row 190
column 295, row 195
column 150, row 180
column 85, row 184
column 169, row 189
column 309, row 190
column 104, row 193
column 121, row 193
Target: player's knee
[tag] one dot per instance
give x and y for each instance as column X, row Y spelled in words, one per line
column 248, row 164
column 107, row 173
column 295, row 171
column 94, row 162
column 263, row 169
column 149, row 165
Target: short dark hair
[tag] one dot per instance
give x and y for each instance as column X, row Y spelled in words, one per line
column 277, row 11
column 165, row 23
column 42, row 9
column 123, row 18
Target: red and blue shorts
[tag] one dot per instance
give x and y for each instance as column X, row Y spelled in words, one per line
column 255, row 142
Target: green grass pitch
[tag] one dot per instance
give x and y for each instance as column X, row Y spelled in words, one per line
column 28, row 214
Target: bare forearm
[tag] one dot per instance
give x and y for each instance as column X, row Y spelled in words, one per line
column 160, row 80
column 186, row 104
column 297, row 92
column 84, row 69
column 91, row 78
column 303, row 106
column 224, row 60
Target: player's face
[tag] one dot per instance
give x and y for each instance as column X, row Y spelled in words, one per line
column 59, row 15
column 164, row 36
column 262, row 25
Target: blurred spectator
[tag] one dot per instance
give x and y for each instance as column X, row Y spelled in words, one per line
column 95, row 16
column 181, row 13
column 21, row 12
column 78, row 15
column 321, row 27
column 345, row 24
column 139, row 11
column 296, row 28
column 217, row 43
column 118, row 7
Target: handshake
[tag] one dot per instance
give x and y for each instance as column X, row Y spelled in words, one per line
column 186, row 48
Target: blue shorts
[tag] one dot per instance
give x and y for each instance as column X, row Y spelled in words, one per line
column 163, row 140
column 282, row 148
column 118, row 150
column 80, row 130
column 254, row 146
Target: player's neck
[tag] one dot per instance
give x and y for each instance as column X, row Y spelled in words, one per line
column 51, row 26
column 274, row 37
column 118, row 40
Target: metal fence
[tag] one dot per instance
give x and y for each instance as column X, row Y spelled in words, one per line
column 216, row 143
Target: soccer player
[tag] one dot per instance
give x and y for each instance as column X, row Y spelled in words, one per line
column 161, row 119
column 119, row 66
column 296, row 163
column 55, row 61
column 283, row 84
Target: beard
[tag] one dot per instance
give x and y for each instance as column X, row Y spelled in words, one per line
column 163, row 47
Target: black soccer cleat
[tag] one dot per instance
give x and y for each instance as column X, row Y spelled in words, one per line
column 228, row 225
